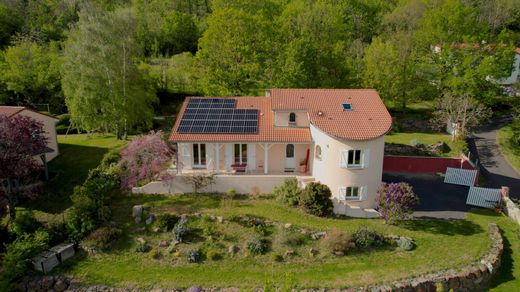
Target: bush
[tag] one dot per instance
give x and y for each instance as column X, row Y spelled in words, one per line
column 110, row 158
column 142, row 247
column 199, row 181
column 17, row 258
column 364, row 238
column 288, row 193
column 81, row 218
column 405, row 243
column 181, row 230
column 213, row 255
column 166, row 222
column 24, row 223
column 315, row 199
column 231, row 193
column 262, row 230
column 58, row 233
column 337, row 242
column 294, row 239
column 257, row 245
column 101, row 239
column 395, row 201
column 194, row 256
column 210, row 232
column 277, row 257
column 155, row 254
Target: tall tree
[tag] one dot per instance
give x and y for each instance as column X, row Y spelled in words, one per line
column 31, row 72
column 179, row 33
column 10, row 22
column 21, row 138
column 104, row 90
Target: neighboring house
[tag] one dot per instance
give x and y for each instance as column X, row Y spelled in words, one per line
column 515, row 73
column 335, row 136
column 49, row 126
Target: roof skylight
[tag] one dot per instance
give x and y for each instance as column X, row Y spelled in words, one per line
column 346, row 106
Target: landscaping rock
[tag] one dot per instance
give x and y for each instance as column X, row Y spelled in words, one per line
column 338, row 253
column 137, row 211
column 137, row 220
column 150, row 219
column 163, row 243
column 287, row 225
column 313, row 252
column 233, row 249
column 194, row 289
column 220, row 219
column 289, row 253
column 47, row 282
column 318, row 235
column 175, row 242
column 141, row 240
column 60, row 285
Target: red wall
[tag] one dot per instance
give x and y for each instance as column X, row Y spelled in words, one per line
column 422, row 164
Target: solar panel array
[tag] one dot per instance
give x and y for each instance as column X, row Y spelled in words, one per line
column 217, row 115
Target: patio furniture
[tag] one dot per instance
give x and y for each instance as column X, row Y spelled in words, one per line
column 239, row 167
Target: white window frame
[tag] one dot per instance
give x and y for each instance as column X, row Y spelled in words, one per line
column 241, row 155
column 292, row 123
column 199, row 157
column 346, row 193
column 364, row 158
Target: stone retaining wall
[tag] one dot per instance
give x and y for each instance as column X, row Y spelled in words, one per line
column 511, row 209
column 475, row 277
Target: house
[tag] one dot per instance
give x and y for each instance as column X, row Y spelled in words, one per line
column 49, row 126
column 515, row 72
column 335, row 136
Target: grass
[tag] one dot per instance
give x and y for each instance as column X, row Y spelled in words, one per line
column 510, row 151
column 440, row 245
column 78, row 154
column 426, row 138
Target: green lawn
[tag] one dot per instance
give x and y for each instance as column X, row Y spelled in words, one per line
column 440, row 245
column 426, row 138
column 510, row 151
column 78, row 154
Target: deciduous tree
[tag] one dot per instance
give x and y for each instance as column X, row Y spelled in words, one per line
column 21, row 138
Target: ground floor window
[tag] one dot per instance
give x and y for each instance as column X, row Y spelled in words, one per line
column 352, row 193
column 199, row 155
column 241, row 153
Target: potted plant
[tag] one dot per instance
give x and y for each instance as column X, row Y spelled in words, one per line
column 498, row 207
column 302, row 166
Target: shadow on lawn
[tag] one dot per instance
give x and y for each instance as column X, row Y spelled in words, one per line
column 68, row 170
column 506, row 267
column 446, row 227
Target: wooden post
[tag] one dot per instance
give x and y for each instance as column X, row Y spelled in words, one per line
column 266, row 158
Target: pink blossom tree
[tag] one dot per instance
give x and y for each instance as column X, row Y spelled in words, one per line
column 395, row 201
column 144, row 158
column 21, row 138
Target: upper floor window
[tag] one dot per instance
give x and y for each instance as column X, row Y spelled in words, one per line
column 292, row 119
column 354, row 158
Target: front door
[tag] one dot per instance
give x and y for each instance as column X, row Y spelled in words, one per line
column 290, row 160
column 199, row 155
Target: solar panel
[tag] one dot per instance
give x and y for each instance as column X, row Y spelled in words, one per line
column 217, row 115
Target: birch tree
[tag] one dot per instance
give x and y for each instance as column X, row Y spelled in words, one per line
column 104, row 90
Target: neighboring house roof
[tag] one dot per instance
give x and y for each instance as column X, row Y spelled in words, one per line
column 368, row 118
column 267, row 132
column 11, row 111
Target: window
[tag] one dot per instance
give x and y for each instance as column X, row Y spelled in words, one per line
column 199, row 155
column 292, row 119
column 355, row 158
column 352, row 193
column 317, row 152
column 241, row 153
column 289, row 151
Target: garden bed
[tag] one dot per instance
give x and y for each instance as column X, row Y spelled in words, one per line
column 439, row 245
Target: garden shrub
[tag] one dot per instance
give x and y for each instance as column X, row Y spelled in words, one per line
column 181, row 230
column 277, row 257
column 17, row 258
column 194, row 256
column 395, row 201
column 210, row 232
column 288, row 192
column 213, row 255
column 405, row 244
column 142, row 247
column 58, row 233
column 101, row 239
column 81, row 218
column 110, row 158
column 24, row 223
column 258, row 245
column 231, row 193
column 166, row 222
column 364, row 238
column 315, row 199
column 337, row 242
column 171, row 249
column 294, row 239
column 155, row 254
column 262, row 229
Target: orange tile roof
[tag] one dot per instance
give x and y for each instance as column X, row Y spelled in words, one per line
column 10, row 111
column 266, row 130
column 368, row 119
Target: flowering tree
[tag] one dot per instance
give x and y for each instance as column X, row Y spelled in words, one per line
column 144, row 158
column 395, row 201
column 21, row 138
